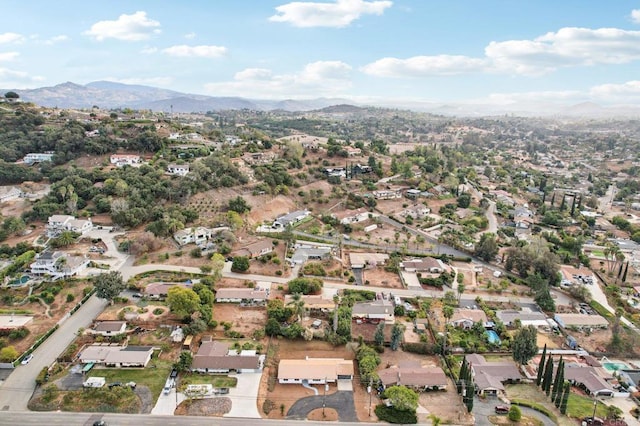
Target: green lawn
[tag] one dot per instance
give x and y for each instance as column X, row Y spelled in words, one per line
column 580, row 406
column 153, row 378
column 215, row 380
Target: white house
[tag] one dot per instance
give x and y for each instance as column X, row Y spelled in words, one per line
column 199, row 235
column 387, row 194
column 290, row 219
column 38, row 157
column 121, row 160
column 178, row 169
column 58, row 223
column 314, row 370
column 117, row 356
column 379, row 310
column 58, row 265
column 354, row 216
column 239, row 295
column 109, row 328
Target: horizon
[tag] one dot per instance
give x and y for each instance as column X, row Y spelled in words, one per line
column 395, row 53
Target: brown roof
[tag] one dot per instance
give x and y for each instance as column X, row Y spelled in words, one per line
column 418, row 377
column 492, row 374
column 161, row 289
column 240, row 293
column 587, row 376
column 214, row 356
column 315, row 368
column 313, row 301
column 474, row 315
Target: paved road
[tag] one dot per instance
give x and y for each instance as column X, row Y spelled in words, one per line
column 598, row 295
column 32, row 418
column 19, row 386
column 341, row 401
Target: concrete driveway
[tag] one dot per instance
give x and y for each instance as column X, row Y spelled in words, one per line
column 482, row 409
column 244, row 397
column 341, row 401
column 167, row 403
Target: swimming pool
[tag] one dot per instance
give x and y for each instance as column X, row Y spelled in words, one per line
column 613, row 366
column 493, row 337
column 19, row 281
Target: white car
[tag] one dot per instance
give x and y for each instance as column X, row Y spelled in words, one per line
column 26, row 359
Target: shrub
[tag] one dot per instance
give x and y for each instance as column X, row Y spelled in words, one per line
column 515, row 414
column 70, row 297
column 391, row 415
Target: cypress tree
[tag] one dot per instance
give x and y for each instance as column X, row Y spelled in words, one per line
column 559, row 395
column 553, row 198
column 565, row 398
column 573, row 206
column 548, row 377
column 541, row 365
column 556, row 381
column 544, row 197
column 624, row 276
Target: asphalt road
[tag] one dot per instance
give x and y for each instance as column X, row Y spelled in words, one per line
column 32, row 418
column 340, row 401
column 19, row 386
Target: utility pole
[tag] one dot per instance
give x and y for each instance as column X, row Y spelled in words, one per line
column 324, row 397
column 369, row 389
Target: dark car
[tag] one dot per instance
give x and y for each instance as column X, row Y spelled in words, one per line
column 174, row 373
column 114, row 385
column 99, row 423
column 221, row 391
column 501, row 409
column 593, row 421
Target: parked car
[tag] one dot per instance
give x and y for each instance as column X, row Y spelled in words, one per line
column 114, row 385
column 593, row 421
column 137, row 295
column 26, row 359
column 99, row 423
column 501, row 409
column 221, row 391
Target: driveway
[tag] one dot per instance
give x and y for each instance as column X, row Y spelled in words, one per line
column 482, row 409
column 167, row 403
column 341, row 401
column 244, row 397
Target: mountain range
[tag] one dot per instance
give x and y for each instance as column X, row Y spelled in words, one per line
column 112, row 95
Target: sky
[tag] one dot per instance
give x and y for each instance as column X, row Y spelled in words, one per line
column 442, row 51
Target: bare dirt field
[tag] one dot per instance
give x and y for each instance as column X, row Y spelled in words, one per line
column 216, row 407
column 245, row 320
column 266, row 208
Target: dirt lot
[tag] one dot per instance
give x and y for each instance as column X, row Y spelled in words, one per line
column 216, row 407
column 244, row 319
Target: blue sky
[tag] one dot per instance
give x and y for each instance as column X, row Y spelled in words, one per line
column 474, row 51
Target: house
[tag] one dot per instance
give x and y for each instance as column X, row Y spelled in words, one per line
column 92, row 133
column 178, row 169
column 390, row 194
column 415, row 212
column 302, row 255
column 354, row 216
column 590, row 379
column 257, row 249
column 379, row 310
column 314, row 370
column 58, row 264
column 290, row 219
column 215, row 357
column 467, row 318
column 581, row 321
column 241, row 295
column 9, row 193
column 109, row 328
column 160, row 290
column 198, row 235
column 361, row 260
column 120, row 160
column 525, row 315
column 38, row 157
column 313, row 302
column 425, row 264
column 352, row 152
column 414, row 376
column 58, row 223
column 412, row 194
column 489, row 377
column 117, row 356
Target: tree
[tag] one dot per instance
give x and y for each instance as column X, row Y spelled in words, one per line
column 548, row 376
column 557, row 383
column 182, row 301
column 515, row 414
column 272, row 328
column 217, row 264
column 464, row 200
column 184, row 363
column 109, row 285
column 8, row 354
column 524, row 344
column 461, row 288
column 487, row 248
column 240, row 264
column 541, row 365
column 239, row 205
column 544, row 300
column 378, row 337
column 298, row 305
column 396, row 336
column 565, row 398
column 402, row 398
column 12, row 96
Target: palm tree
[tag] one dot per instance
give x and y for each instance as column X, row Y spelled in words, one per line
column 298, row 305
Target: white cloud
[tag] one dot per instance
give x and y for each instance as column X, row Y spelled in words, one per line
column 625, row 92
column 11, row 38
column 322, row 78
column 17, row 79
column 190, row 35
column 424, row 65
column 338, row 14
column 568, row 47
column 8, row 56
column 56, row 39
column 133, row 27
column 196, row 51
column 635, row 16
column 145, row 81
